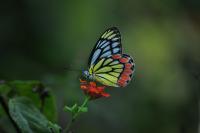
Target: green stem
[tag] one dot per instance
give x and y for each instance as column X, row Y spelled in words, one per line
column 79, row 110
column 66, row 130
column 75, row 115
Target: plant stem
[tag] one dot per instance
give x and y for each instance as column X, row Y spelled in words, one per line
column 66, row 130
column 82, row 106
column 75, row 115
column 5, row 107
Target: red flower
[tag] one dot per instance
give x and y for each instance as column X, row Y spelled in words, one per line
column 92, row 90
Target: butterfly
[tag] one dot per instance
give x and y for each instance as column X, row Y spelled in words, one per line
column 107, row 64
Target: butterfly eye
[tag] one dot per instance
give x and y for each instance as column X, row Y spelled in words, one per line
column 85, row 73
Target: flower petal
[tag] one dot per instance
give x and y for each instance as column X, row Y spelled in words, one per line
column 93, row 90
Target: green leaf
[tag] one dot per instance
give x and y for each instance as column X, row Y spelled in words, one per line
column 67, row 109
column 84, row 109
column 72, row 109
column 27, row 116
column 37, row 92
column 54, row 128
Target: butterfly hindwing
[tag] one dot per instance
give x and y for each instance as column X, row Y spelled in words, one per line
column 128, row 70
column 114, row 71
column 108, row 44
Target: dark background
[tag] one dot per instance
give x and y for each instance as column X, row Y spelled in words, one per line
column 38, row 38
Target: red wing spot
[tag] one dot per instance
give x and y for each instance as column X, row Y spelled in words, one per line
column 126, row 77
column 117, row 56
column 128, row 71
column 127, row 74
column 128, row 65
column 121, row 83
column 124, row 60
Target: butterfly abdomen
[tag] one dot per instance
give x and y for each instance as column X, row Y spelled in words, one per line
column 127, row 73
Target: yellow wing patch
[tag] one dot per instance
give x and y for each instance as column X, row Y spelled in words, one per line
column 106, row 34
column 112, row 36
column 114, row 74
column 105, row 81
column 118, row 66
column 118, row 70
column 104, row 70
column 98, row 65
column 114, row 63
column 109, row 77
column 107, row 61
column 109, row 34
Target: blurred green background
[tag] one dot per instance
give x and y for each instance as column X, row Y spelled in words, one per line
column 39, row 38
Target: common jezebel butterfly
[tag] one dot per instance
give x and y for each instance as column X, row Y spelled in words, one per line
column 107, row 64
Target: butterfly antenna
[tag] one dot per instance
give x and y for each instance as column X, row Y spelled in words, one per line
column 72, row 69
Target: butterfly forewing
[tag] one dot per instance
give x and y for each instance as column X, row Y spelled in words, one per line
column 108, row 44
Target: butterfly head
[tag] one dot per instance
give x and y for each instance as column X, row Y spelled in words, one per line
column 87, row 75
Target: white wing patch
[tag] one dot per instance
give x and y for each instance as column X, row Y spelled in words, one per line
column 106, row 54
column 96, row 55
column 105, row 44
column 107, row 48
column 115, row 44
column 116, row 50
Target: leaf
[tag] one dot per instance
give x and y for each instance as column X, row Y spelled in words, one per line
column 72, row 109
column 67, row 109
column 84, row 109
column 28, row 117
column 37, row 92
column 54, row 128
